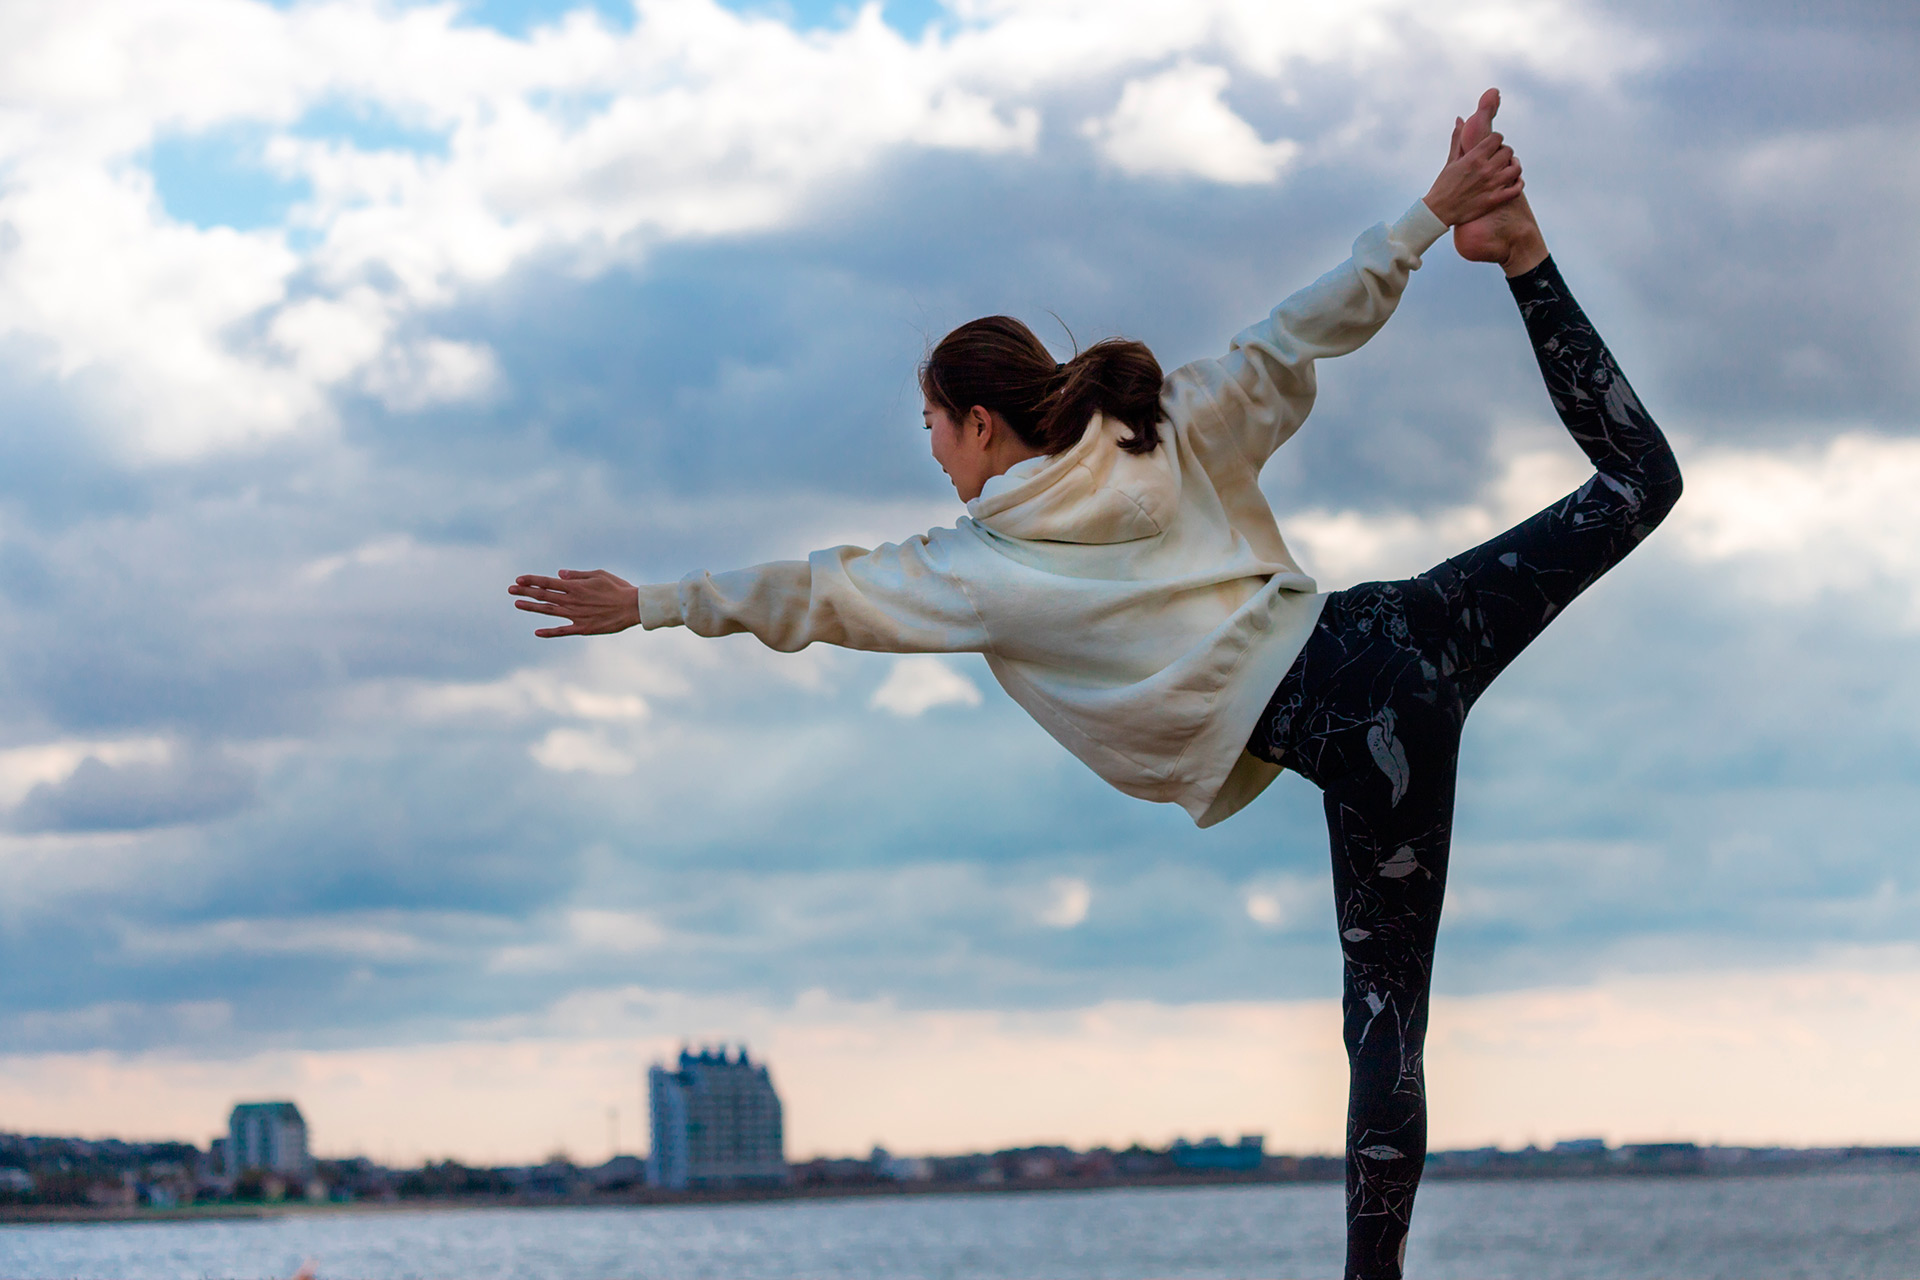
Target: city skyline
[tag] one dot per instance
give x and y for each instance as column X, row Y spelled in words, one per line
column 302, row 1177
column 1537, row 1068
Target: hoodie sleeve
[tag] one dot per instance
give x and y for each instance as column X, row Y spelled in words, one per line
column 896, row 598
column 1258, row 394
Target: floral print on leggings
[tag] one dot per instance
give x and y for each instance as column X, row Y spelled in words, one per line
column 1371, row 713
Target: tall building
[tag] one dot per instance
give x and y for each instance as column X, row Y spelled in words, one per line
column 270, row 1137
column 716, row 1122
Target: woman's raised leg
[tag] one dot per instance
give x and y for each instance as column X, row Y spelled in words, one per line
column 1503, row 593
column 1372, row 711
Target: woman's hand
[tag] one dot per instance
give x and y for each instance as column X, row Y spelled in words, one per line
column 594, row 603
column 1476, row 181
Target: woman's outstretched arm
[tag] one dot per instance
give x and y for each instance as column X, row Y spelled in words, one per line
column 896, row 598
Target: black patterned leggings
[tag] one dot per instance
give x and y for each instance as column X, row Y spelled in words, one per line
column 1371, row 713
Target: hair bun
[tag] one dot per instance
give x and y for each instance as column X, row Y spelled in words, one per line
column 996, row 362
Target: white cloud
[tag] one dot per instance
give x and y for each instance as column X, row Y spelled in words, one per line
column 921, row 682
column 1803, row 523
column 433, row 371
column 585, row 932
column 1286, row 902
column 372, row 937
column 530, row 691
column 107, row 1020
column 618, row 931
column 379, row 551
column 1069, row 899
column 581, row 751
column 580, row 146
column 1344, row 547
column 24, row 768
column 1789, row 527
column 1176, row 124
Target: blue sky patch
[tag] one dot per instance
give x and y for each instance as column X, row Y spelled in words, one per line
column 909, row 17
column 520, row 17
column 222, row 179
column 369, row 127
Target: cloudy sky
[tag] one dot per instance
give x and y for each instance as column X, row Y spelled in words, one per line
column 318, row 321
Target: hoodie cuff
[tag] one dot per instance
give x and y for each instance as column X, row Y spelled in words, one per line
column 1418, row 228
column 660, row 606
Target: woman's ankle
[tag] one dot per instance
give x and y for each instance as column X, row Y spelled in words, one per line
column 1528, row 250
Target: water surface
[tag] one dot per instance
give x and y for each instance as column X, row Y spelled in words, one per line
column 1822, row 1227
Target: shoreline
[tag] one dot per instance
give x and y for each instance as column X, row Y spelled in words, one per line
column 87, row 1215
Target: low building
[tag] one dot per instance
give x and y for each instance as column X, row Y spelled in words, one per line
column 269, row 1138
column 715, row 1121
column 1213, row 1155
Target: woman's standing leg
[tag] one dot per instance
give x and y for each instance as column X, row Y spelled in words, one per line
column 1368, row 714
column 1372, row 710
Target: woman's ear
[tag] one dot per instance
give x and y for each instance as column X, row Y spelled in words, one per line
column 980, row 421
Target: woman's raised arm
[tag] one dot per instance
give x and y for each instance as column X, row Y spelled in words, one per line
column 1256, row 396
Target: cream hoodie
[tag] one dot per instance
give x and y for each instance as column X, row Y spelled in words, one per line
column 1142, row 608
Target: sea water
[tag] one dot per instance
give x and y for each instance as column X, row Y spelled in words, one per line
column 1823, row 1227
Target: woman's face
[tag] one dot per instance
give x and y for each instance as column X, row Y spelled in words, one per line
column 960, row 449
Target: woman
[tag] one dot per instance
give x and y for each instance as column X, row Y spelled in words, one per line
column 1123, row 575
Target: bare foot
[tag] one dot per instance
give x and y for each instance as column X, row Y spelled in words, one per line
column 1509, row 235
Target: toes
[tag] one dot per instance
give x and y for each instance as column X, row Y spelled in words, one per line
column 1481, row 122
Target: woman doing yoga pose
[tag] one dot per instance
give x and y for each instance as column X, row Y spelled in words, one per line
column 1124, row 577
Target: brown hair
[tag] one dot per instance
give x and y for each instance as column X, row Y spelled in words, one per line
column 996, row 362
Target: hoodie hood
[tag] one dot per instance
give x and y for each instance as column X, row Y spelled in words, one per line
column 1095, row 492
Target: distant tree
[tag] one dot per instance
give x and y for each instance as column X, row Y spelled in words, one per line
column 61, row 1186
column 451, row 1178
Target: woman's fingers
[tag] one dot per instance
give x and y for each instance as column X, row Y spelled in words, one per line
column 1485, row 147
column 544, row 588
column 593, row 601
column 567, row 578
column 1492, row 160
column 1501, row 170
